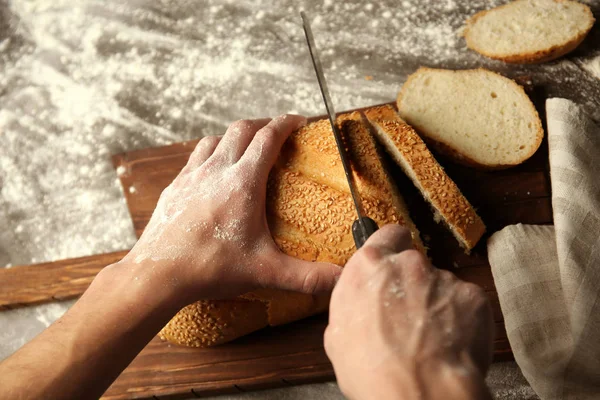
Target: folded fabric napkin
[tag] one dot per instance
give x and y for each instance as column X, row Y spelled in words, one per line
column 548, row 277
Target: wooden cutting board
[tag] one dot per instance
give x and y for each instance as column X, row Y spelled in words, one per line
column 293, row 353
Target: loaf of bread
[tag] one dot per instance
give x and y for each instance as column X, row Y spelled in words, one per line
column 477, row 117
column 529, row 31
column 411, row 154
column 310, row 213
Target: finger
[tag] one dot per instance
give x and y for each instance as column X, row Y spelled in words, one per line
column 390, row 239
column 204, row 149
column 289, row 273
column 414, row 266
column 381, row 249
column 237, row 138
column 266, row 145
column 331, row 340
column 473, row 297
column 485, row 342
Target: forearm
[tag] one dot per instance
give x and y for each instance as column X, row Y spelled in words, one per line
column 84, row 351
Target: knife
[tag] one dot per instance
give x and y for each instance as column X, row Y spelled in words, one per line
column 363, row 226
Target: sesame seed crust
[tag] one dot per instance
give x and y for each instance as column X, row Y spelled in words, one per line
column 411, row 153
column 210, row 322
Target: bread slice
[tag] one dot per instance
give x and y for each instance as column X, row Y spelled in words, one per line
column 477, row 117
column 411, row 153
column 529, row 31
column 310, row 214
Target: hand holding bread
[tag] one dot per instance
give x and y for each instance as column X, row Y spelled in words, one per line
column 209, row 228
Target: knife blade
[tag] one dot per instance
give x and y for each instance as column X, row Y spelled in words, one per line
column 363, row 226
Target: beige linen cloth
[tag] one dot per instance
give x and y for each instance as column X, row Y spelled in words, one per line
column 548, row 277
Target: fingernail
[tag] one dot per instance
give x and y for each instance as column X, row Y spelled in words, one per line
column 301, row 119
column 302, row 122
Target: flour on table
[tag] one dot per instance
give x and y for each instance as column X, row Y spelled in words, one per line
column 593, row 66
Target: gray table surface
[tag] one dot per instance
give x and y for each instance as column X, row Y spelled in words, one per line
column 81, row 80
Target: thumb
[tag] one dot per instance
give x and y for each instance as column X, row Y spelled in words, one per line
column 289, row 273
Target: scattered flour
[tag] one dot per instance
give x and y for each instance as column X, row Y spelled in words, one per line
column 593, row 66
column 80, row 81
column 230, row 231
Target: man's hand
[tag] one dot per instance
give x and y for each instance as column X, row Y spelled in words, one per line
column 209, row 234
column 400, row 328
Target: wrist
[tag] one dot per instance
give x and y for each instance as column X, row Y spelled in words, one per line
column 432, row 380
column 142, row 285
column 458, row 379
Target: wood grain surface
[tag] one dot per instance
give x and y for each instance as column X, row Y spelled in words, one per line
column 58, row 280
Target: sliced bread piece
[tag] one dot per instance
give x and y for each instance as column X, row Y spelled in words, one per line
column 529, row 31
column 477, row 117
column 411, row 153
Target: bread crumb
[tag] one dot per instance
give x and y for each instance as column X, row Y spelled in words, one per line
column 132, row 189
column 369, row 77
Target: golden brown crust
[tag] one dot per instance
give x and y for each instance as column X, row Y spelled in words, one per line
column 212, row 322
column 446, row 148
column 286, row 307
column 548, row 54
column 427, row 174
column 310, row 214
column 372, row 179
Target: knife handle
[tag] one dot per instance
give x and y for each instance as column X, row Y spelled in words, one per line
column 359, row 237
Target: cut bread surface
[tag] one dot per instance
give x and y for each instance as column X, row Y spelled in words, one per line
column 529, row 31
column 410, row 152
column 477, row 117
